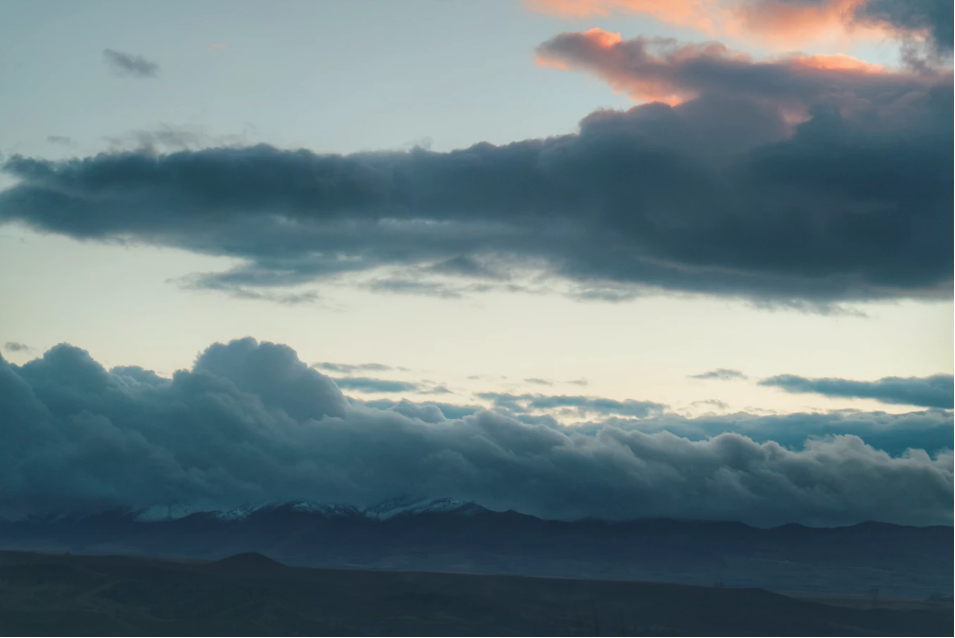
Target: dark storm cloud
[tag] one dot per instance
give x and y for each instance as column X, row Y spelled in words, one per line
column 368, row 384
column 930, row 392
column 932, row 17
column 719, row 195
column 721, row 374
column 250, row 423
column 466, row 267
column 124, row 64
column 16, row 346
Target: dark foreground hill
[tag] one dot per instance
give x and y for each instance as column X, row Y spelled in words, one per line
column 445, row 536
column 253, row 595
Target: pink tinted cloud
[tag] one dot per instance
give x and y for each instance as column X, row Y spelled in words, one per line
column 778, row 24
column 663, row 70
column 695, row 14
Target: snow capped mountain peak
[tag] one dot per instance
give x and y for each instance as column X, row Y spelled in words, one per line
column 400, row 506
column 169, row 512
column 240, row 513
column 406, row 506
column 328, row 510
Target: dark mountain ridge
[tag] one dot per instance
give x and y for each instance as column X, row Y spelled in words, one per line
column 450, row 536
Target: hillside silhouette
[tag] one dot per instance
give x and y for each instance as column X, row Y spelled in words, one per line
column 250, row 594
column 248, row 563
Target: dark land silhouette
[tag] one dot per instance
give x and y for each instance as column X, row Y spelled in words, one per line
column 252, row 594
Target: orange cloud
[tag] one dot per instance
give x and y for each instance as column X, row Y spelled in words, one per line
column 613, row 61
column 776, row 23
column 839, row 62
column 661, row 70
column 783, row 23
column 695, row 14
column 603, row 38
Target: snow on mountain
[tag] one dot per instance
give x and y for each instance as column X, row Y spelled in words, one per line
column 408, row 506
column 329, row 511
column 240, row 513
column 170, row 512
column 401, row 506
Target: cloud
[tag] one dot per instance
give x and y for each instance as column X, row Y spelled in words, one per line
column 527, row 403
column 783, row 23
column 234, row 291
column 930, row 430
column 430, row 411
column 60, row 139
column 434, row 389
column 350, row 368
column 930, row 19
column 797, row 23
column 663, row 70
column 15, row 346
column 711, row 403
column 721, row 374
column 465, row 266
column 368, row 384
column 931, row 392
column 536, row 381
column 167, row 137
column 695, row 14
column 124, row 64
column 250, row 423
column 801, row 183
column 414, row 287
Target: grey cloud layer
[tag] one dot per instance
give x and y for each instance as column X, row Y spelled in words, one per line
column 126, row 64
column 349, row 368
column 720, row 195
column 252, row 423
column 931, row 392
column 16, row 346
column 721, row 374
column 931, row 430
column 369, row 384
column 583, row 405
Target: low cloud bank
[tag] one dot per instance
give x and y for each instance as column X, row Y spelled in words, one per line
column 251, row 423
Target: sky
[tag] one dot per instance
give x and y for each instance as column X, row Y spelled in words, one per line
column 673, row 235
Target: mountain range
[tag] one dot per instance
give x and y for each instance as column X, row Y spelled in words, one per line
column 445, row 535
